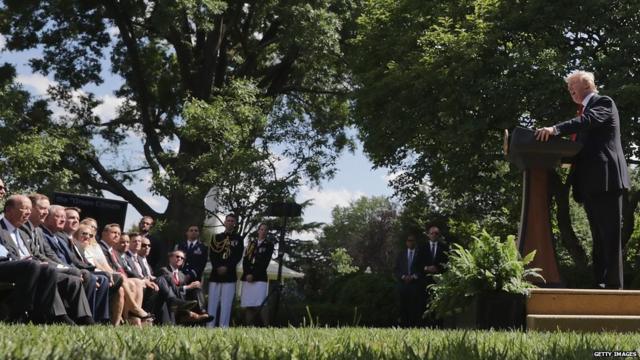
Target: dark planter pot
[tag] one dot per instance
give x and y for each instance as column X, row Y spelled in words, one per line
column 497, row 310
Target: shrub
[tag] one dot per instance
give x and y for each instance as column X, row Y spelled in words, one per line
column 489, row 265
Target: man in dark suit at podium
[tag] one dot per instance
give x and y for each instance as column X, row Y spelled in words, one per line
column 598, row 174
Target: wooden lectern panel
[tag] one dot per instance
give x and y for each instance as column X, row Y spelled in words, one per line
column 535, row 225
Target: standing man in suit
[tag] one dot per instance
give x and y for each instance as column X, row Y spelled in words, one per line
column 599, row 173
column 196, row 253
column 410, row 284
column 433, row 258
column 225, row 252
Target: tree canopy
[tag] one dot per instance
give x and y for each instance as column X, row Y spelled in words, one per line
column 442, row 80
column 248, row 98
column 438, row 82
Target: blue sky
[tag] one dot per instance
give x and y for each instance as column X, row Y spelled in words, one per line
column 355, row 177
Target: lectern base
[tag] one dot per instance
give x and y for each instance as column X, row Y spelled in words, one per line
column 535, row 225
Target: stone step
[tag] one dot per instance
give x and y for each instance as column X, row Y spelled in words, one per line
column 583, row 302
column 586, row 323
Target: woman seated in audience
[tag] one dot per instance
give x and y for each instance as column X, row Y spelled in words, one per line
column 132, row 289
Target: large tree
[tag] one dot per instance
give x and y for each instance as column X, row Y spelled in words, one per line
column 247, row 97
column 368, row 229
column 438, row 82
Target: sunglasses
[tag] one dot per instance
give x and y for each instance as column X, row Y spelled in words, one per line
column 179, row 257
column 86, row 234
column 145, row 246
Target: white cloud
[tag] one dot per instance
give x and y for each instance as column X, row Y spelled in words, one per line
column 38, row 83
column 158, row 203
column 282, row 164
column 329, row 198
column 172, row 145
column 109, row 107
column 390, row 176
column 324, row 200
column 3, row 42
column 113, row 32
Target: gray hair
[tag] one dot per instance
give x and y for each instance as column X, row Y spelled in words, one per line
column 55, row 208
column 585, row 77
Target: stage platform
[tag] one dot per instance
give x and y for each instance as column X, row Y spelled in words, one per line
column 583, row 310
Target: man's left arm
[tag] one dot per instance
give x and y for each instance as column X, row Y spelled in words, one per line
column 600, row 113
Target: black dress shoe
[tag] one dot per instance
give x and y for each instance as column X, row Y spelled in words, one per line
column 179, row 304
column 205, row 319
column 18, row 318
column 140, row 316
column 85, row 320
column 62, row 319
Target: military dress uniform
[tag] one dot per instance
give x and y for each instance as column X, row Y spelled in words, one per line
column 225, row 251
column 255, row 262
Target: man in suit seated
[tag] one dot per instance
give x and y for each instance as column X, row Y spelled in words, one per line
column 157, row 257
column 143, row 252
column 177, row 280
column 96, row 285
column 34, row 294
column 19, row 245
column 411, row 284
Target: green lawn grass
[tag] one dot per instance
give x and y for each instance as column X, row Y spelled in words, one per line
column 102, row 342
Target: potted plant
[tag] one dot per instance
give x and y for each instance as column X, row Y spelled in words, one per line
column 484, row 286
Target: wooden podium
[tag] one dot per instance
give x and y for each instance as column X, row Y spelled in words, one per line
column 536, row 159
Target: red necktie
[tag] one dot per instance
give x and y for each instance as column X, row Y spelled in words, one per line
column 114, row 258
column 578, row 113
column 176, row 280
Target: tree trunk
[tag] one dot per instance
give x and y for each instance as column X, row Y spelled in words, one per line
column 181, row 212
column 560, row 193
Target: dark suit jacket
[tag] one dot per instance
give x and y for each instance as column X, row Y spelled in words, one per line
column 127, row 265
column 40, row 248
column 167, row 273
column 196, row 258
column 9, row 244
column 401, row 267
column 130, row 266
column 145, row 272
column 427, row 258
column 600, row 166
column 256, row 259
column 64, row 249
column 115, row 265
column 158, row 255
